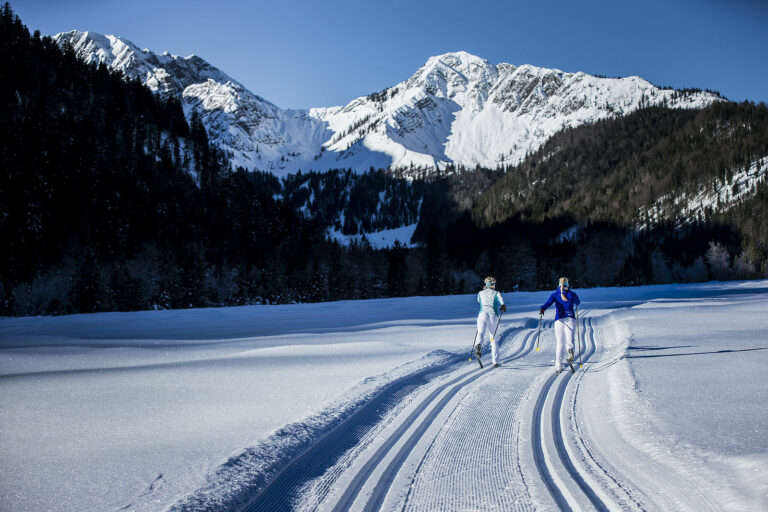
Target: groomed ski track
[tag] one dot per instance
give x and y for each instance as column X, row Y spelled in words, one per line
column 569, row 488
column 517, row 437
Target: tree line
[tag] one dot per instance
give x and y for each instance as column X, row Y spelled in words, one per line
column 111, row 200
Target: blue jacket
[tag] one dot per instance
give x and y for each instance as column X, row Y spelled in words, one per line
column 564, row 308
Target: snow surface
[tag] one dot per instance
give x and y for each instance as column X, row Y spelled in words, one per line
column 383, row 239
column 456, row 109
column 195, row 409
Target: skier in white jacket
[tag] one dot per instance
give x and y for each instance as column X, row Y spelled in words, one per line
column 491, row 303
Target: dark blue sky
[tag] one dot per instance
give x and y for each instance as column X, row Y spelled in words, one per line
column 321, row 53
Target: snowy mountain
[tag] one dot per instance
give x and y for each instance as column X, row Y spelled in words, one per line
column 259, row 134
column 460, row 109
column 456, row 109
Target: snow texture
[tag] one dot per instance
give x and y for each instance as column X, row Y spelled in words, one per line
column 383, row 239
column 373, row 404
column 456, row 109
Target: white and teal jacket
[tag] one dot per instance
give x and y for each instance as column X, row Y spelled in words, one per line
column 490, row 301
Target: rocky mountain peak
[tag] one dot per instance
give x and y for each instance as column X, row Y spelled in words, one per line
column 457, row 108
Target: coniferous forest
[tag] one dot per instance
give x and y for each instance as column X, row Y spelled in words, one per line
column 111, row 200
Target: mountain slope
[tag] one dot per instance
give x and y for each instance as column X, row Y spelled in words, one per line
column 257, row 133
column 458, row 109
column 651, row 166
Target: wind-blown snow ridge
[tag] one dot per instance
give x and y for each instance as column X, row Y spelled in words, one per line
column 457, row 109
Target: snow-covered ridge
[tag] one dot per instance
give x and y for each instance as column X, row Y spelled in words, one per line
column 713, row 197
column 257, row 133
column 456, row 109
column 460, row 109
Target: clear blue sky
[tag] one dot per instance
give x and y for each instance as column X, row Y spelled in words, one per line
column 307, row 53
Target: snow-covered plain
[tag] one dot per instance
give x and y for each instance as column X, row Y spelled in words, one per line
column 376, row 403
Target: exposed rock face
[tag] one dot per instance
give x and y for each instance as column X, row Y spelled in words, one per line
column 456, row 109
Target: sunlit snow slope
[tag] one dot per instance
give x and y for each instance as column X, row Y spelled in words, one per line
column 456, row 109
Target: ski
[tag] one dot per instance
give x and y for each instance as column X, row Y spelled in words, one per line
column 479, row 353
column 572, row 369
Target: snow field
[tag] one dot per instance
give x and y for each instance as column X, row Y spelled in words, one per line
column 373, row 405
column 638, row 481
column 383, row 239
column 700, row 397
column 117, row 417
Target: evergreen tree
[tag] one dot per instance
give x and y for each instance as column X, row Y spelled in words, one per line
column 397, row 284
column 87, row 293
column 438, row 279
column 659, row 268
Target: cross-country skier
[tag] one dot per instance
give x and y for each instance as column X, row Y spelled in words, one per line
column 564, row 300
column 491, row 303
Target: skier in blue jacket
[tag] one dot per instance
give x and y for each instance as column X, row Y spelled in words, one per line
column 491, row 303
column 564, row 300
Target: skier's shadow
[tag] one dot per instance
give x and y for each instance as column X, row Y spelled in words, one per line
column 657, row 347
column 727, row 351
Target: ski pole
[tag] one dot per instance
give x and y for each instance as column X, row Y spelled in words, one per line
column 538, row 336
column 497, row 325
column 578, row 332
column 473, row 346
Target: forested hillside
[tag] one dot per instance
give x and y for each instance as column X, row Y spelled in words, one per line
column 111, row 200
column 608, row 171
column 598, row 184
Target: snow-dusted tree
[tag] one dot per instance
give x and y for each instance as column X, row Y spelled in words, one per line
column 719, row 260
column 696, row 272
column 743, row 268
